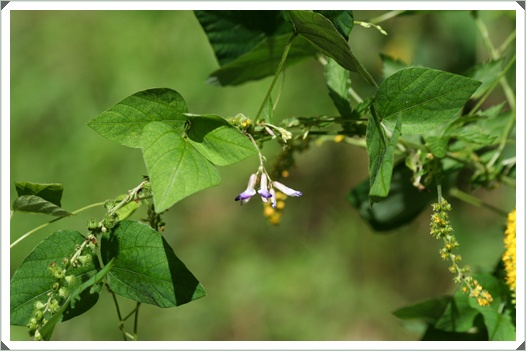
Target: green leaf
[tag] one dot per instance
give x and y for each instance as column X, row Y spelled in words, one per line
column 437, row 145
column 217, row 140
column 323, row 36
column 51, row 192
column 33, row 280
column 175, row 167
column 390, row 65
column 123, row 123
column 426, row 98
column 458, row 316
column 262, row 61
column 487, row 73
column 146, row 268
column 36, row 204
column 381, row 157
column 47, row 329
column 429, row 311
column 234, row 33
column 497, row 320
column 342, row 20
column 403, row 204
column 339, row 83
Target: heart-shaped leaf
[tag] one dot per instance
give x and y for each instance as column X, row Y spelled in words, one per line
column 145, row 267
column 124, row 122
column 175, row 167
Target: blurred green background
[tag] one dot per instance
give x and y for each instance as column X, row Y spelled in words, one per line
column 320, row 275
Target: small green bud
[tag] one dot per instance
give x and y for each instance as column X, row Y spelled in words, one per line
column 37, row 314
column 109, row 221
column 84, row 259
column 39, row 305
column 70, row 279
column 63, row 292
column 53, row 306
column 38, row 336
column 93, row 224
column 109, row 204
column 56, row 286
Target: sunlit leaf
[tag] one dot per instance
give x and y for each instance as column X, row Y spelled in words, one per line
column 217, row 140
column 124, row 122
column 175, row 167
column 425, row 97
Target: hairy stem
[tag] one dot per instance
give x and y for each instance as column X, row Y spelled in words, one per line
column 52, row 221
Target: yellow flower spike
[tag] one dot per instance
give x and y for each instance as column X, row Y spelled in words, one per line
column 509, row 256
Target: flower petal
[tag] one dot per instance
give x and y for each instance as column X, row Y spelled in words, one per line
column 273, row 198
column 249, row 192
column 263, row 188
column 286, row 190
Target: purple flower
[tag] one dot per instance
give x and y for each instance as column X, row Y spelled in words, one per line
column 263, row 188
column 273, row 198
column 286, row 190
column 250, row 191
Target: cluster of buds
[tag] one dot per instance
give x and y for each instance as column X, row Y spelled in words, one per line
column 62, row 286
column 441, row 229
column 267, row 189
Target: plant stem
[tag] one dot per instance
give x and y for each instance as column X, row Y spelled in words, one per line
column 276, row 75
column 386, row 16
column 475, row 201
column 261, row 158
column 52, row 221
column 136, row 322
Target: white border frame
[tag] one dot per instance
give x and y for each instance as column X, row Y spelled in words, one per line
column 255, row 5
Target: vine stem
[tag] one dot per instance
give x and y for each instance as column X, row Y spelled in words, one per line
column 276, row 75
column 52, row 221
column 475, row 201
column 386, row 16
column 261, row 158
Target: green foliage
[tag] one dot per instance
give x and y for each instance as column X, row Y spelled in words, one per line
column 320, row 32
column 33, row 280
column 145, row 267
column 426, row 98
column 36, row 204
column 124, row 122
column 48, row 192
column 176, row 168
column 458, row 315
